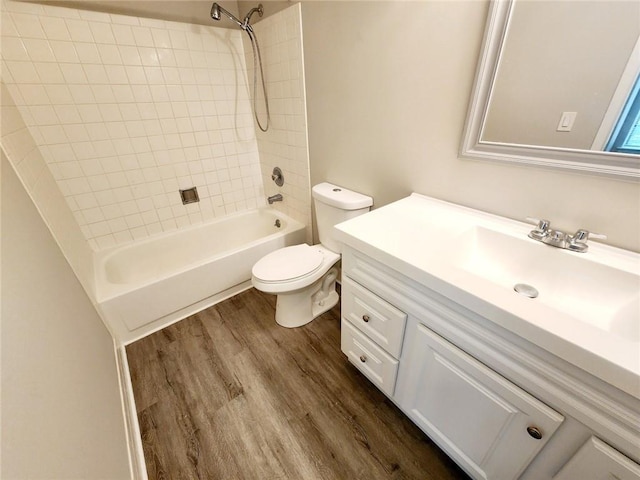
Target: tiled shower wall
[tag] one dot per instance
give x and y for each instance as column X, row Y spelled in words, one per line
column 126, row 111
column 285, row 143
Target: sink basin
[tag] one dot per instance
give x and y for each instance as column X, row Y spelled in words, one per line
column 567, row 282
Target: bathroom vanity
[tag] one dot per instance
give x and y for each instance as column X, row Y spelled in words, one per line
column 509, row 386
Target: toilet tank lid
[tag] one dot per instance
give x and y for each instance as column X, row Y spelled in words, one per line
column 340, row 197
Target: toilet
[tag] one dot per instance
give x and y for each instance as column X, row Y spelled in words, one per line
column 303, row 276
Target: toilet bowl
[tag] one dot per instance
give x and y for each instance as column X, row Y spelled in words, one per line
column 304, row 276
column 304, row 279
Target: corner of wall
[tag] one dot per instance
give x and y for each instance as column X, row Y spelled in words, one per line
column 22, row 153
column 285, row 144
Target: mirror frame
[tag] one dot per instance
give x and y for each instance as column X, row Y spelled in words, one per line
column 584, row 161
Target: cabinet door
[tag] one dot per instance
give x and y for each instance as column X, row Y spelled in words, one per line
column 598, row 461
column 491, row 427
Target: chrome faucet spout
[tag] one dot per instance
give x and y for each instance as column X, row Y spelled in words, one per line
column 274, row 198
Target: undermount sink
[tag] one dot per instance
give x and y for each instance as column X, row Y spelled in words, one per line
column 567, row 282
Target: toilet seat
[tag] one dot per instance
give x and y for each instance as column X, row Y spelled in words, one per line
column 288, row 264
column 292, row 268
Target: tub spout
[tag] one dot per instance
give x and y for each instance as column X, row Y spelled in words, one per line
column 274, row 198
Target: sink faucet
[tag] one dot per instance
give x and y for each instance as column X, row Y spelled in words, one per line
column 274, row 198
column 556, row 238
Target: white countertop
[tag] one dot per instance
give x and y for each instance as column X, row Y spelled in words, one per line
column 428, row 241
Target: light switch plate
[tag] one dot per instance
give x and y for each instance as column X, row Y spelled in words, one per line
column 566, row 121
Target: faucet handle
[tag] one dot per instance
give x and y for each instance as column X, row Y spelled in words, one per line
column 541, row 230
column 541, row 224
column 581, row 236
column 579, row 239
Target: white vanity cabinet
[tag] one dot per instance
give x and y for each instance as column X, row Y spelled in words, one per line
column 490, row 400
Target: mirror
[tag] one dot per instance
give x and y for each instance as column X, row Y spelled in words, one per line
column 552, row 80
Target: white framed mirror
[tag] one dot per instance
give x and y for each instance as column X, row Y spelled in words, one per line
column 552, row 82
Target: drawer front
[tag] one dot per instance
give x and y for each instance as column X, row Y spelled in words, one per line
column 377, row 365
column 382, row 322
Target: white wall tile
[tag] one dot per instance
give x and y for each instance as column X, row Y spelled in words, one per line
column 285, row 144
column 102, row 32
column 49, row 72
column 87, row 53
column 27, row 26
column 23, row 154
column 109, row 54
column 124, row 20
column 13, row 49
column 124, row 117
column 73, row 74
column 23, row 72
column 54, row 28
column 79, row 30
column 95, row 16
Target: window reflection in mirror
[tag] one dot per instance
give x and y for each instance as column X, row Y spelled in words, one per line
column 625, row 137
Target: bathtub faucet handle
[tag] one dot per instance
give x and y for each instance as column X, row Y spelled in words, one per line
column 277, row 176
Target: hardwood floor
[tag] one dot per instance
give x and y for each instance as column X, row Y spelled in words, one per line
column 229, row 394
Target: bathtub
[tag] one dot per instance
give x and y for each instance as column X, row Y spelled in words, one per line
column 144, row 286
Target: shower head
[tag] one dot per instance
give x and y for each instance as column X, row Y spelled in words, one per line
column 217, row 9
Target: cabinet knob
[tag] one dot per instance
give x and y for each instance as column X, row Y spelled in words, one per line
column 366, row 318
column 363, row 358
column 534, row 432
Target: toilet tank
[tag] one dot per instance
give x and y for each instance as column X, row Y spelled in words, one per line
column 333, row 205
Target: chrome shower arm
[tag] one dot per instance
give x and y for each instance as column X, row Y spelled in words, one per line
column 247, row 17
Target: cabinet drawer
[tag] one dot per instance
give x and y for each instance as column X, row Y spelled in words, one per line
column 378, row 366
column 382, row 322
column 596, row 460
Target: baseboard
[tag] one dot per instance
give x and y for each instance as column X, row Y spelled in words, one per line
column 134, row 439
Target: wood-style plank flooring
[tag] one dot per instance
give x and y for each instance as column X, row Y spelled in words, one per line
column 229, row 394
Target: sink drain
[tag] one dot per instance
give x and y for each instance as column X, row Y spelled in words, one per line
column 526, row 290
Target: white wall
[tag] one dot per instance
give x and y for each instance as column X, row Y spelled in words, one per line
column 388, row 84
column 61, row 411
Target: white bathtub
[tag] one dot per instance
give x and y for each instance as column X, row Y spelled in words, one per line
column 147, row 285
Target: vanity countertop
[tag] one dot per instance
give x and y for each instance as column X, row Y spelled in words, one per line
column 588, row 308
